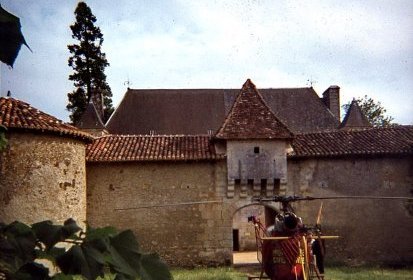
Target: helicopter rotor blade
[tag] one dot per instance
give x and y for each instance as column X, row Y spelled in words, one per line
column 169, row 204
column 318, row 221
column 359, row 197
column 287, row 199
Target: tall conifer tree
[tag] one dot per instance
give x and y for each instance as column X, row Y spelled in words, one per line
column 88, row 63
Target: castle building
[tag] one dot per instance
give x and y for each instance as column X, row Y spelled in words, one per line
column 180, row 168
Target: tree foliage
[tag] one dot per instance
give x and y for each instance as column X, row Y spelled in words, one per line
column 373, row 110
column 92, row 253
column 88, row 63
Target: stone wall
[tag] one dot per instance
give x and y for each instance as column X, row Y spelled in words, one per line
column 372, row 231
column 184, row 235
column 42, row 177
column 256, row 167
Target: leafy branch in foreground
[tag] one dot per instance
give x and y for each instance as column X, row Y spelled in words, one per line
column 90, row 254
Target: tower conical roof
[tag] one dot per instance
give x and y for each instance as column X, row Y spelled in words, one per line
column 251, row 118
column 355, row 118
column 90, row 118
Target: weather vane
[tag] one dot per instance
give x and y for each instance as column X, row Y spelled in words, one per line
column 311, row 82
column 127, row 83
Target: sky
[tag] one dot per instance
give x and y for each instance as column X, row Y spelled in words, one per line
column 365, row 47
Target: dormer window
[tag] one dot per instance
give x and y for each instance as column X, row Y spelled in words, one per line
column 256, row 150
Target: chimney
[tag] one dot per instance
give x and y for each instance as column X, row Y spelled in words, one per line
column 331, row 98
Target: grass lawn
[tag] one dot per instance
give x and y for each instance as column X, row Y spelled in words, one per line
column 363, row 273
column 333, row 273
column 221, row 273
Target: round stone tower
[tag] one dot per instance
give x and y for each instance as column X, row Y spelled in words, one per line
column 42, row 168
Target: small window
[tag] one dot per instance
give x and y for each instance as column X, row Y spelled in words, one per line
column 256, row 150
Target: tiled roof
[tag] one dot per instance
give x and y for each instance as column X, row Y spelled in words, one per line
column 250, row 118
column 18, row 115
column 372, row 141
column 355, row 119
column 121, row 148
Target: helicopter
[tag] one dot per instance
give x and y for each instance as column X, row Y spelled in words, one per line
column 289, row 249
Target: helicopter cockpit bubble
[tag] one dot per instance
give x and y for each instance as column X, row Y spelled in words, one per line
column 285, row 223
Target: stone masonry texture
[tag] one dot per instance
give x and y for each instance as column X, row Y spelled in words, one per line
column 42, row 177
column 371, row 231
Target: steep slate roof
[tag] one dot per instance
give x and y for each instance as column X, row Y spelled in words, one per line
column 168, row 111
column 196, row 111
column 355, row 119
column 300, row 109
column 250, row 118
column 127, row 148
column 90, row 118
column 17, row 115
column 373, row 141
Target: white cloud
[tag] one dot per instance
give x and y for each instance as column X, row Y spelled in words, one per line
column 366, row 47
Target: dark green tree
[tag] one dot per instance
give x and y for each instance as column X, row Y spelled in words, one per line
column 373, row 110
column 88, row 63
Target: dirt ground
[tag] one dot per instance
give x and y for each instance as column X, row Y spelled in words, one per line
column 241, row 258
column 247, row 262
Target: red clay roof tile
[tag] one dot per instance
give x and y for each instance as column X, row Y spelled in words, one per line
column 18, row 115
column 371, row 141
column 121, row 148
column 251, row 118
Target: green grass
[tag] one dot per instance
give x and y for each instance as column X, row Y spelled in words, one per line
column 221, row 273
column 332, row 273
column 368, row 273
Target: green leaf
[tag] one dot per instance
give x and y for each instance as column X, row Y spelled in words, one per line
column 50, row 234
column 96, row 233
column 124, row 254
column 82, row 260
column 17, row 247
column 47, row 233
column 70, row 228
column 153, row 268
column 33, row 271
column 51, row 254
column 61, row 276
